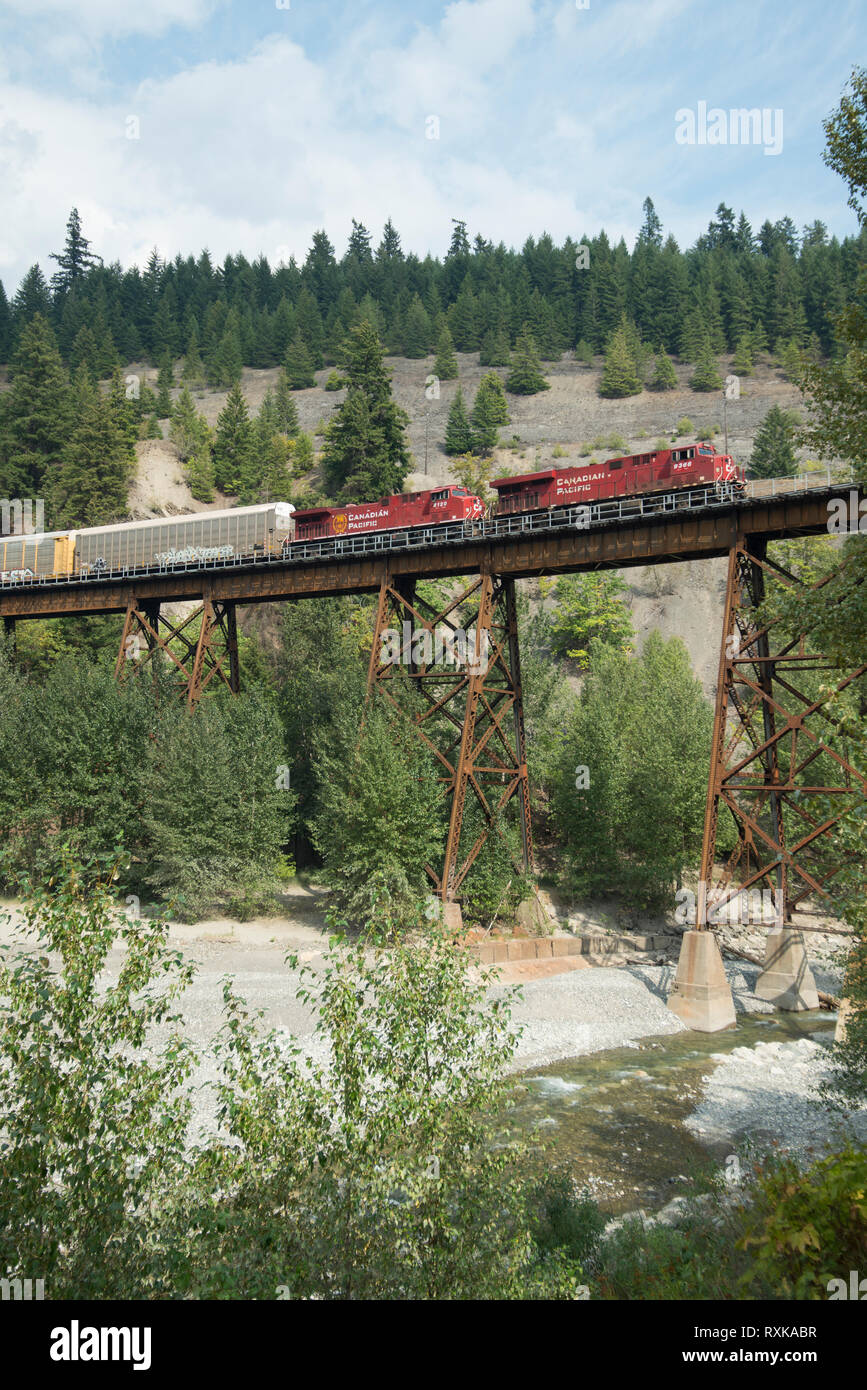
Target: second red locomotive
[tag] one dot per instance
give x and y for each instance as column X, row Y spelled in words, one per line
column 401, row 510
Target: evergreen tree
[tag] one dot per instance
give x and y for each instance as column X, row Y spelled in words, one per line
column 664, row 378
column 5, row 325
column 303, row 455
column 417, row 330
column 489, row 410
column 525, row 378
column 445, row 364
column 193, row 373
column 90, row 486
column 459, row 439
column 37, row 413
column 298, row 365
column 773, row 453
column 124, row 413
column 285, row 409
column 495, row 351
column 31, row 298
column 619, row 377
column 235, row 444
column 462, row 319
column 483, row 422
column 276, row 485
column 83, row 352
column 189, row 430
column 200, row 474
column 165, row 382
column 226, row 364
column 742, row 362
column 75, row 259
column 310, row 328
column 706, row 377
column 366, row 454
column 791, row 360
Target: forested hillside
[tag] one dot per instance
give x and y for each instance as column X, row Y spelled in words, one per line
column 735, row 292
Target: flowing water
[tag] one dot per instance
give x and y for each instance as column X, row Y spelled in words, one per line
column 617, row 1118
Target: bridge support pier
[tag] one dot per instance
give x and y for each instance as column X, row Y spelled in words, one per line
column 196, row 656
column 463, row 666
column 780, row 767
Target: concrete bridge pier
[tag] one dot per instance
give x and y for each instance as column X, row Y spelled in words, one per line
column 787, row 980
column 701, row 995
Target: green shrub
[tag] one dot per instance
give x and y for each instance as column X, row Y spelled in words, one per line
column 807, row 1228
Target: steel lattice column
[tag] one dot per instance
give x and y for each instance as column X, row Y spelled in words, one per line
column 197, row 657
column 471, row 714
column 768, row 734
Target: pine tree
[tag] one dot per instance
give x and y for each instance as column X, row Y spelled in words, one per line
column 706, row 377
column 285, row 409
column 619, row 377
column 90, row 487
column 303, row 455
column 227, row 362
column 165, row 382
column 189, row 430
column 664, row 377
column 489, row 411
column 791, row 360
column 462, row 319
column 366, row 453
column 123, row 412
column 416, row 330
column 83, row 352
column 298, row 365
column 193, row 373
column 235, row 444
column 5, row 325
column 75, row 259
column 152, row 427
column 495, row 351
column 445, row 364
column 525, row 378
column 309, row 321
column 31, row 298
column 584, row 353
column 276, row 485
column 38, row 412
column 773, row 453
column 200, row 474
column 459, row 439
column 742, row 362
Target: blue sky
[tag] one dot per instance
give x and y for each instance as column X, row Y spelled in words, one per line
column 258, row 122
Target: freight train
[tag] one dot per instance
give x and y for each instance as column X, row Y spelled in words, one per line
column 274, row 529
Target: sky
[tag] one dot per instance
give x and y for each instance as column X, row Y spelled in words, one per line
column 246, row 125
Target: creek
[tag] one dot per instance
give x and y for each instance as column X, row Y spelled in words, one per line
column 616, row 1118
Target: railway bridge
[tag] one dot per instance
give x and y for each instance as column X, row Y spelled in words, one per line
column 768, row 731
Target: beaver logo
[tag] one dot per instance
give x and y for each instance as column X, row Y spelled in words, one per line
column 339, row 523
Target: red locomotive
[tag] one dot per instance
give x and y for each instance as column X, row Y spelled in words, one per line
column 663, row 470
column 401, row 510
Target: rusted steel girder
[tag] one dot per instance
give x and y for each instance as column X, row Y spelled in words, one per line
column 768, row 735
column 469, row 714
column 148, row 636
column 657, row 538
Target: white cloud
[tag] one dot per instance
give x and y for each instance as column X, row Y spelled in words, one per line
column 112, row 18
